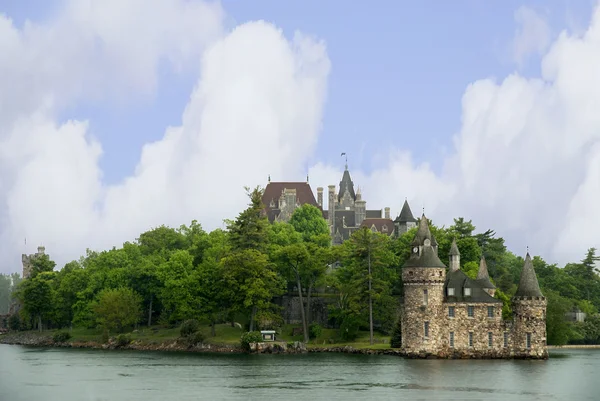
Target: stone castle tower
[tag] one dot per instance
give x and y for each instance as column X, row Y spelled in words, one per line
column 26, row 260
column 448, row 314
column 529, row 309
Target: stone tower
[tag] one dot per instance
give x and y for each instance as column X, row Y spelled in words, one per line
column 454, row 257
column 360, row 208
column 27, row 261
column 320, row 196
column 405, row 220
column 331, row 207
column 423, row 275
column 529, row 310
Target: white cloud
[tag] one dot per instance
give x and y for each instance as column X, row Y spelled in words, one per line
column 532, row 35
column 255, row 110
column 525, row 162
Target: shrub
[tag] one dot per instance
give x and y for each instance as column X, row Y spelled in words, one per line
column 195, row 338
column 189, row 327
column 14, row 323
column 250, row 337
column 61, row 337
column 314, row 330
column 396, row 340
column 123, row 340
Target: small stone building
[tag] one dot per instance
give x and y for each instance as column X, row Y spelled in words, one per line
column 447, row 314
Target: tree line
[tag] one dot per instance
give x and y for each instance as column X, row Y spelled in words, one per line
column 170, row 275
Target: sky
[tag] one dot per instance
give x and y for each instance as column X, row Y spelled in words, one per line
column 119, row 116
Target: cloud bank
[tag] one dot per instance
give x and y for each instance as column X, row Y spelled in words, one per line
column 525, row 162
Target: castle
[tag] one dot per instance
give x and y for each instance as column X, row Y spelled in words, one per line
column 27, row 261
column 452, row 315
column 346, row 211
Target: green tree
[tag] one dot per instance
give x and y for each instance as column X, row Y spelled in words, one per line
column 367, row 259
column 117, row 308
column 41, row 264
column 250, row 229
column 37, row 296
column 309, row 222
column 251, row 281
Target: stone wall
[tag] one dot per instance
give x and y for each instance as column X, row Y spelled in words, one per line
column 415, row 311
column 480, row 325
column 530, row 317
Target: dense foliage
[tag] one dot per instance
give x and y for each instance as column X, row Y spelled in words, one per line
column 174, row 275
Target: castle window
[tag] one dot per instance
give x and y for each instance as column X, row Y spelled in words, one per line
column 426, row 329
column 450, row 292
column 467, row 292
column 490, row 339
column 506, row 339
column 470, row 338
column 451, row 311
column 528, row 341
column 490, row 311
column 470, row 311
column 452, row 339
column 384, row 228
column 425, row 297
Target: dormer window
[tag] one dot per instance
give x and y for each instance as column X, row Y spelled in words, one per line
column 427, row 242
column 467, row 292
column 450, row 291
column 384, row 228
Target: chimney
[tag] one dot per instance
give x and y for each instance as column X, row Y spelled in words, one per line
column 387, row 212
column 320, row 196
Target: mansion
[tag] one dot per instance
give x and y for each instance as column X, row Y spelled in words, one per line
column 346, row 210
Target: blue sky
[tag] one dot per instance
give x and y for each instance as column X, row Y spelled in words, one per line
column 399, row 70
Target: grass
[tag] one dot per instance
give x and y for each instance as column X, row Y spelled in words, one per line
column 227, row 335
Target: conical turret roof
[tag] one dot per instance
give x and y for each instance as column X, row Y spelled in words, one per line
column 454, row 248
column 528, row 285
column 426, row 255
column 483, row 277
column 406, row 215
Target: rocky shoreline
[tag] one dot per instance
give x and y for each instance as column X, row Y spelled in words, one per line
column 179, row 345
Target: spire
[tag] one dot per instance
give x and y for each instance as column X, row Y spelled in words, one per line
column 483, row 276
column 454, row 248
column 423, row 232
column 269, row 178
column 346, row 184
column 406, row 215
column 424, row 251
column 528, row 285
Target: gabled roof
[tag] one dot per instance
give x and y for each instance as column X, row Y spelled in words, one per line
column 346, row 183
column 273, row 191
column 405, row 215
column 459, row 281
column 528, row 285
column 483, row 277
column 379, row 224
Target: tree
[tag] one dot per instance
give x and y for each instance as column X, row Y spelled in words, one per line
column 250, row 229
column 41, row 264
column 309, row 222
column 36, row 294
column 250, row 281
column 117, row 308
column 367, row 258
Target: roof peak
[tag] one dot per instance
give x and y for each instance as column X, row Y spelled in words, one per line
column 406, row 215
column 483, row 275
column 454, row 248
column 528, row 284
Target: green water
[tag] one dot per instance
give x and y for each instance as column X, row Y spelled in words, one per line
column 32, row 374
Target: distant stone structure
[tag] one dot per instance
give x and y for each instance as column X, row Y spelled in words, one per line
column 346, row 211
column 452, row 315
column 27, row 261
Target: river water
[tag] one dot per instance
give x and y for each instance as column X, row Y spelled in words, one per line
column 54, row 374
